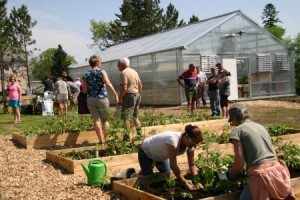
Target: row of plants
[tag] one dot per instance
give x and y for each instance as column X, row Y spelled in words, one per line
column 114, row 145
column 76, row 123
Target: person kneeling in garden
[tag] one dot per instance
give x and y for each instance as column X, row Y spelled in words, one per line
column 160, row 150
column 268, row 177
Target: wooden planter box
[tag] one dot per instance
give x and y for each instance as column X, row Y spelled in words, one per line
column 39, row 142
column 208, row 125
column 126, row 188
column 118, row 162
column 113, row 163
column 86, row 137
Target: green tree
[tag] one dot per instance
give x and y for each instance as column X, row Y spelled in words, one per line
column 41, row 65
column 4, row 40
column 170, row 19
column 277, row 31
column 193, row 19
column 269, row 16
column 296, row 46
column 61, row 62
column 21, row 27
column 270, row 19
column 138, row 18
column 100, row 31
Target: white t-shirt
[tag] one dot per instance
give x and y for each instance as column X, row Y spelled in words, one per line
column 155, row 147
column 202, row 77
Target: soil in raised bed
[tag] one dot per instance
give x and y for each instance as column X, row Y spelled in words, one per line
column 178, row 192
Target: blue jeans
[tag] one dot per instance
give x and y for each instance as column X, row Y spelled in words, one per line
column 214, row 99
column 246, row 194
column 147, row 164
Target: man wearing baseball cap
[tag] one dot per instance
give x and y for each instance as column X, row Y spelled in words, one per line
column 268, row 177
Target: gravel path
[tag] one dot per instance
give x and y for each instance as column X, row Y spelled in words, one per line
column 24, row 174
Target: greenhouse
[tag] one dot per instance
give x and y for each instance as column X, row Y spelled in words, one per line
column 261, row 66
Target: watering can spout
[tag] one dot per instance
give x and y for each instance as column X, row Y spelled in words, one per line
column 86, row 169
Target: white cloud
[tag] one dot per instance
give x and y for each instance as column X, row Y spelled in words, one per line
column 72, row 43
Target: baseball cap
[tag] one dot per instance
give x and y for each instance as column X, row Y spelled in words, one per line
column 238, row 111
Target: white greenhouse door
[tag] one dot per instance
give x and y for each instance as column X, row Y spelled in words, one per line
column 230, row 65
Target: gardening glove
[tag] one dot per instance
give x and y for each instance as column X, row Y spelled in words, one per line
column 230, row 175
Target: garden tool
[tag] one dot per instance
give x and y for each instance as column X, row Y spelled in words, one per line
column 96, row 171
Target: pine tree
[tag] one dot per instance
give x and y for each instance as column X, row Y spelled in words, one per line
column 60, row 62
column 21, row 27
column 171, row 17
column 138, row 18
column 193, row 19
column 269, row 16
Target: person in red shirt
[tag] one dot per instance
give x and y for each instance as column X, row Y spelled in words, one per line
column 190, row 79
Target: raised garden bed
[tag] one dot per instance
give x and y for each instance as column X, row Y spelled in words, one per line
column 90, row 137
column 131, row 160
column 132, row 188
column 46, row 141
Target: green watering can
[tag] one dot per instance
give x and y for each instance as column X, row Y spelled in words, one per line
column 96, row 171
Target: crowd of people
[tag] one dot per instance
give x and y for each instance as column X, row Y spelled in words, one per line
column 268, row 176
column 217, row 85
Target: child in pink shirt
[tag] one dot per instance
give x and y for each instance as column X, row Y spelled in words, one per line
column 14, row 94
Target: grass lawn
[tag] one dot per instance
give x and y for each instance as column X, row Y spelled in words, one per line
column 261, row 114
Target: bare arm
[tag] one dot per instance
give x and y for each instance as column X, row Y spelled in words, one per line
column 179, row 82
column 191, row 161
column 176, row 170
column 222, row 81
column 173, row 163
column 20, row 93
column 84, row 86
column 239, row 157
column 140, row 87
column 109, row 85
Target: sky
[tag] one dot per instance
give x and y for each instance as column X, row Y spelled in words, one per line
column 67, row 22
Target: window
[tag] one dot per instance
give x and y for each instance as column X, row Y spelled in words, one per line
column 208, row 61
column 264, row 62
column 283, row 62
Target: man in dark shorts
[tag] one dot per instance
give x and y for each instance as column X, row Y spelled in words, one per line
column 190, row 79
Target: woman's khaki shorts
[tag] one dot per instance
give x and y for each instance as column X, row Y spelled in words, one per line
column 98, row 107
column 61, row 97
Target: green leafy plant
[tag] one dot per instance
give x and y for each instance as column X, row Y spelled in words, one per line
column 186, row 195
column 278, row 129
column 288, row 152
column 211, row 163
